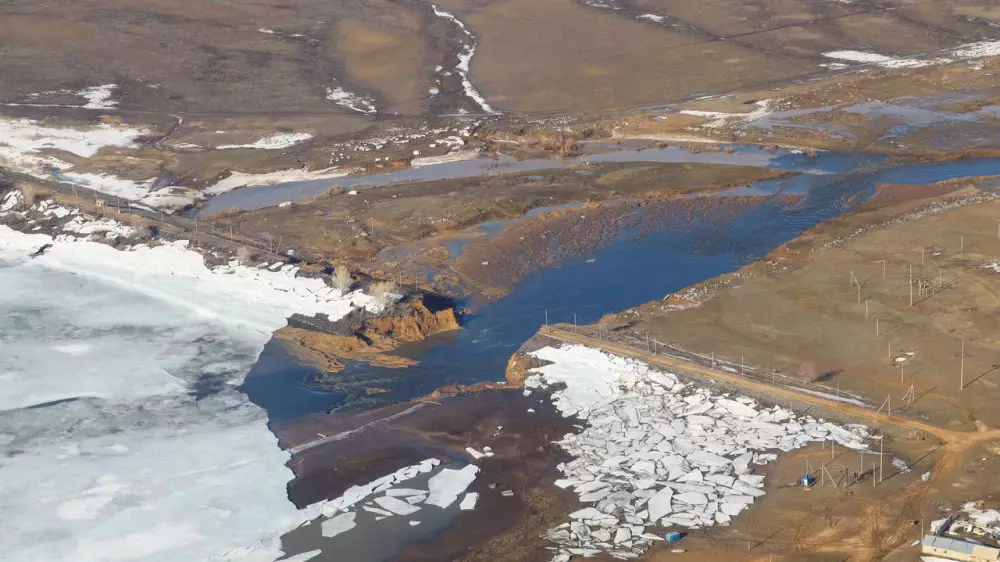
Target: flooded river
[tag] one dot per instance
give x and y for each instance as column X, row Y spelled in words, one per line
column 631, row 270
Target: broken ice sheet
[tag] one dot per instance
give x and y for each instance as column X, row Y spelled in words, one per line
column 395, row 505
column 339, row 524
column 656, row 452
column 469, row 501
column 446, row 485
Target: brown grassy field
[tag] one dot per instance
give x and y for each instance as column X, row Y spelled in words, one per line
column 800, row 310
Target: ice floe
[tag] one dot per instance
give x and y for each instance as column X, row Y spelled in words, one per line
column 657, row 453
column 383, row 498
column 276, row 141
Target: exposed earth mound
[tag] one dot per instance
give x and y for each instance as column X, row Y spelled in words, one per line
column 367, row 338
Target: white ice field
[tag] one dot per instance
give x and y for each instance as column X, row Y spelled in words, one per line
column 105, row 453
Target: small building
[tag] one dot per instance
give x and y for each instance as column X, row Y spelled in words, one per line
column 958, row 549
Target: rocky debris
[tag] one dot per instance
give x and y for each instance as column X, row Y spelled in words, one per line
column 659, row 454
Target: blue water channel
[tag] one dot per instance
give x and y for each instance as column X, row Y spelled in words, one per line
column 632, row 270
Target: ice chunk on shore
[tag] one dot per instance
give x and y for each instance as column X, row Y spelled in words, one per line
column 645, row 430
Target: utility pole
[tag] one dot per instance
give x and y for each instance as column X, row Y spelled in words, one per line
column 961, row 370
column 866, row 307
column 883, row 268
column 880, row 455
column 911, row 285
column 876, row 327
column 742, row 371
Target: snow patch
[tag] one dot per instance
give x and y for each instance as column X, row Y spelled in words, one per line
column 24, row 146
column 236, row 180
column 719, row 119
column 276, row 141
column 876, row 59
column 98, row 97
column 356, row 102
column 465, row 59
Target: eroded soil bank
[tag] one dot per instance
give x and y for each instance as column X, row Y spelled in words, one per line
column 366, row 337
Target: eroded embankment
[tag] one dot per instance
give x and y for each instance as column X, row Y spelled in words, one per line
column 365, row 337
